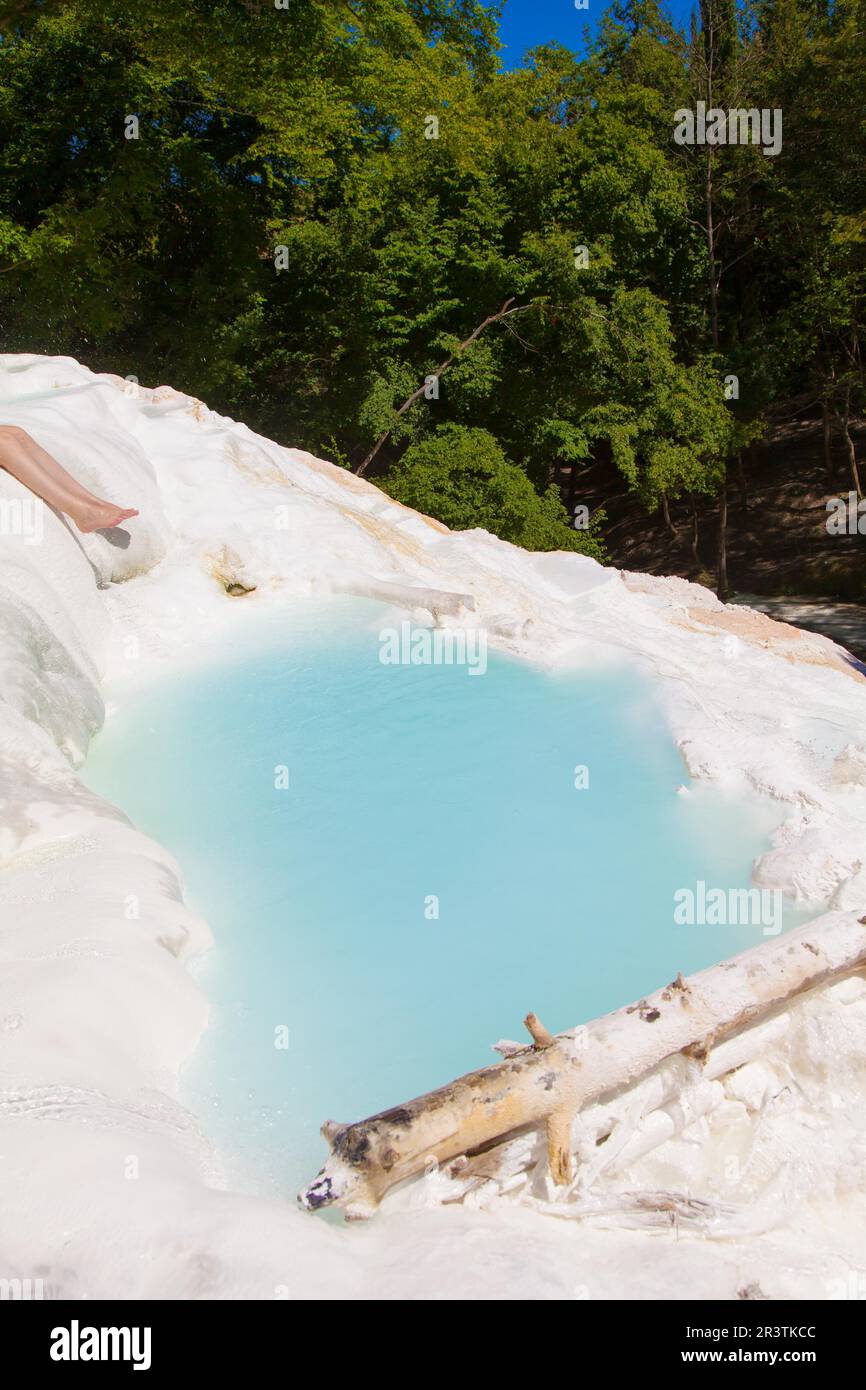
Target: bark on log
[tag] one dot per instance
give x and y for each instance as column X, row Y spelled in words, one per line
column 546, row 1088
column 609, row 1134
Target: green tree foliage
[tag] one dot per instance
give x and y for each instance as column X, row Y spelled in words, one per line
column 462, row 477
column 285, row 239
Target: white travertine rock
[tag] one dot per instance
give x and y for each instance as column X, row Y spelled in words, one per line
column 850, row 766
column 98, row 1013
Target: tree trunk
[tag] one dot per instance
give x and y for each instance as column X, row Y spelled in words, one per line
column 828, row 445
column 695, row 535
column 849, row 445
column 722, row 590
column 744, row 486
column 572, row 487
column 711, row 251
column 667, row 515
column 708, row 19
column 549, row 1086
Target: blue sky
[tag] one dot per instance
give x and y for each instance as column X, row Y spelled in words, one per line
column 526, row 23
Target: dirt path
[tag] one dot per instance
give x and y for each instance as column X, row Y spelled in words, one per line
column 844, row 622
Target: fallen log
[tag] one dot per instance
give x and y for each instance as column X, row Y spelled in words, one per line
column 554, row 1083
column 613, row 1133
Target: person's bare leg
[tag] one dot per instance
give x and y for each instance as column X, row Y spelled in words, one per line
column 31, row 465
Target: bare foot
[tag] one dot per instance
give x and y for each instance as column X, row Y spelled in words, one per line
column 100, row 516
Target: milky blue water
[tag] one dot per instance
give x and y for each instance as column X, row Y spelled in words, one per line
column 411, row 790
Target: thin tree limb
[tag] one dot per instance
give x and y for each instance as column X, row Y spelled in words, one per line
column 505, row 312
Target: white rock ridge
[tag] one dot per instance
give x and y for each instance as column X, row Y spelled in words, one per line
column 109, row 1189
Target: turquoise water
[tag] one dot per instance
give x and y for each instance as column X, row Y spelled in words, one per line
column 336, row 991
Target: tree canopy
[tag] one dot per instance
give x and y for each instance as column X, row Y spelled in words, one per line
column 301, row 210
